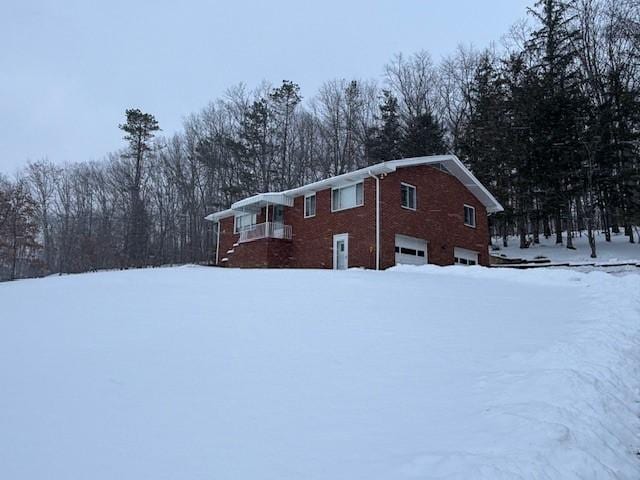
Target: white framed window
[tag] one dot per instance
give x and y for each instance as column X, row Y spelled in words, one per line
column 347, row 197
column 310, row 205
column 469, row 216
column 244, row 221
column 408, row 195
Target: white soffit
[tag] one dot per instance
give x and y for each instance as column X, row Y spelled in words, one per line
column 450, row 162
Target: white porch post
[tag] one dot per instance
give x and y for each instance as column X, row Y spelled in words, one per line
column 217, row 241
column 377, row 219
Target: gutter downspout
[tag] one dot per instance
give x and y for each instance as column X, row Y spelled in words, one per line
column 377, row 219
column 217, row 241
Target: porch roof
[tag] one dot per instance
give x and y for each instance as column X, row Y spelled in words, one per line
column 262, row 199
column 253, row 204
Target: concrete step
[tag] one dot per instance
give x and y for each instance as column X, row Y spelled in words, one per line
column 230, row 251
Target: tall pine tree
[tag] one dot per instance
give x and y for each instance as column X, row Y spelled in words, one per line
column 385, row 139
column 139, row 129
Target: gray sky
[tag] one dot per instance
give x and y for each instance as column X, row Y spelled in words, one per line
column 69, row 68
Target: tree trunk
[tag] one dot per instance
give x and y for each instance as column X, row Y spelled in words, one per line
column 14, row 246
column 546, row 226
column 569, row 229
column 605, row 225
column 558, row 227
column 592, row 238
column 615, row 225
column 505, row 237
column 522, row 230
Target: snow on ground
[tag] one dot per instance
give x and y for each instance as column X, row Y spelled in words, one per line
column 417, row 372
column 618, row 250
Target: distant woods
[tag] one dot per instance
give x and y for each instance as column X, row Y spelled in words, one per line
column 549, row 122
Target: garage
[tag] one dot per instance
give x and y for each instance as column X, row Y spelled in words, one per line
column 462, row 256
column 410, row 250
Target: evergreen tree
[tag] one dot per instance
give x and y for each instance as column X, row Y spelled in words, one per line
column 284, row 101
column 483, row 143
column 558, row 106
column 423, row 135
column 256, row 150
column 139, row 130
column 385, row 140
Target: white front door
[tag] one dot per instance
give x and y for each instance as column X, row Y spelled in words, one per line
column 341, row 251
column 410, row 250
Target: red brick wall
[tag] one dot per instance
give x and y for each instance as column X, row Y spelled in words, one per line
column 438, row 218
column 313, row 237
column 271, row 252
column 268, row 252
column 227, row 238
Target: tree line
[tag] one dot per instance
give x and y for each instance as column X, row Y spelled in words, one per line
column 549, row 122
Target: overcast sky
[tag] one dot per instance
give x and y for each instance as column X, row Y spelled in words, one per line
column 69, row 69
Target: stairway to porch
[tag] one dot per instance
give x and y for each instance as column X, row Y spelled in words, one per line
column 265, row 245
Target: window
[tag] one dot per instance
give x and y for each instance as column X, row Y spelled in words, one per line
column 244, row 222
column 347, row 197
column 469, row 216
column 310, row 205
column 408, row 194
column 463, row 261
column 410, row 251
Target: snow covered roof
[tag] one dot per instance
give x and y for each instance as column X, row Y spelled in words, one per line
column 450, row 163
column 261, row 199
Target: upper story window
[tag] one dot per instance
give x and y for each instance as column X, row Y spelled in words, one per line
column 469, row 216
column 244, row 221
column 408, row 194
column 310, row 205
column 347, row 197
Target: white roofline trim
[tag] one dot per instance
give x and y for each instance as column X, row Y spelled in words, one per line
column 454, row 166
column 277, row 198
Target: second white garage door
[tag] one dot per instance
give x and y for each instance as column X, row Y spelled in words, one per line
column 410, row 250
column 462, row 256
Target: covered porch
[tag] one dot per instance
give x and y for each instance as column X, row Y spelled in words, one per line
column 250, row 209
column 254, row 221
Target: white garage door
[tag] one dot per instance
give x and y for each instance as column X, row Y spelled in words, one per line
column 410, row 250
column 462, row 256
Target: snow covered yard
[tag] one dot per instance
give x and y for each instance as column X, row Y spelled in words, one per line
column 417, row 372
column 619, row 250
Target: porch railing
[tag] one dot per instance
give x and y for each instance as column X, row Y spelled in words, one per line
column 265, row 230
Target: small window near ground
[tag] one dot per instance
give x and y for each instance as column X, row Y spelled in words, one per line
column 310, row 205
column 244, row 222
column 469, row 216
column 408, row 194
column 347, row 197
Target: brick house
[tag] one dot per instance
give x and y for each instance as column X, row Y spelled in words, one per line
column 417, row 210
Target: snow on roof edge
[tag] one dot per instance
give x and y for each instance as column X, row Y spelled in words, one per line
column 479, row 190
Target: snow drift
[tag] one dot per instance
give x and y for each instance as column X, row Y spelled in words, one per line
column 417, row 372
